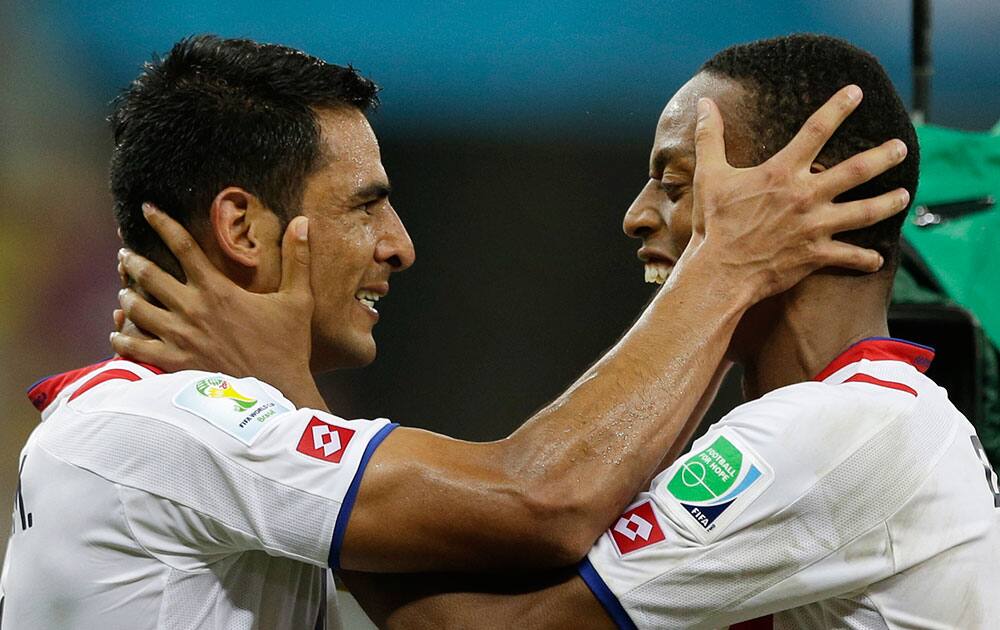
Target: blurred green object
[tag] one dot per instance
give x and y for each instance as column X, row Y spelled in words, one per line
column 952, row 256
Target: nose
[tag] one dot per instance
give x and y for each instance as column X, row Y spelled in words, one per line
column 643, row 217
column 395, row 247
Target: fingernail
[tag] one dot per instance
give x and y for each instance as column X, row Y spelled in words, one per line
column 703, row 109
column 900, row 148
column 121, row 293
column 881, row 261
column 111, row 337
column 904, row 197
column 148, row 209
column 302, row 229
column 854, row 92
column 122, row 253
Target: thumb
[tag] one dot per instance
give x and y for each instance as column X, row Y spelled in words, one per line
column 295, row 257
column 709, row 143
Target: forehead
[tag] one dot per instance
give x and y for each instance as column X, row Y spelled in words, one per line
column 349, row 153
column 674, row 139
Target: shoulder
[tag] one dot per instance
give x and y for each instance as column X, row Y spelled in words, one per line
column 817, row 421
column 770, row 455
column 239, row 406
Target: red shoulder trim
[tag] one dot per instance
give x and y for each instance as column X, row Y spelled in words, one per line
column 103, row 377
column 45, row 391
column 865, row 378
column 881, row 349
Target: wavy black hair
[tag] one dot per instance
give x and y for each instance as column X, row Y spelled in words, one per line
column 218, row 112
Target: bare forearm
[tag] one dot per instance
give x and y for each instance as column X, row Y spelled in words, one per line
column 590, row 450
column 552, row 599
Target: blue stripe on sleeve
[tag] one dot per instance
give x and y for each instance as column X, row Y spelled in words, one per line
column 352, row 493
column 604, row 595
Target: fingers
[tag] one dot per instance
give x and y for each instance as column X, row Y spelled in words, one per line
column 295, row 257
column 119, row 316
column 156, row 282
column 709, row 142
column 149, row 351
column 122, row 276
column 144, row 315
column 193, row 261
column 839, row 254
column 854, row 215
column 809, row 141
column 860, row 168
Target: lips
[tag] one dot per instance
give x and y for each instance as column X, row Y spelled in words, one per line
column 656, row 265
column 368, row 298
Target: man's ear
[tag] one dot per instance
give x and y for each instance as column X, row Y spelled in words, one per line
column 242, row 226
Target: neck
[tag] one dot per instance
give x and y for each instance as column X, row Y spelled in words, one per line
column 793, row 336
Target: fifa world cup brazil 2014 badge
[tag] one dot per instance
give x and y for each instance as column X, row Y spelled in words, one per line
column 714, row 485
column 221, row 388
column 237, row 406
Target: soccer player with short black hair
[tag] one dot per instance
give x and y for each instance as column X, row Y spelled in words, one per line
column 848, row 493
column 176, row 491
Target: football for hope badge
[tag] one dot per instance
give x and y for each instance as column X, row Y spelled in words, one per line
column 240, row 407
column 714, row 485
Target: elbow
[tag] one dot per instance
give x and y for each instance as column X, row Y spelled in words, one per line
column 563, row 524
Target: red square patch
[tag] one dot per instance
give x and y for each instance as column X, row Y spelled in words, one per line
column 637, row 528
column 325, row 441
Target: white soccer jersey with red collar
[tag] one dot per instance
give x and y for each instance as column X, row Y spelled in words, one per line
column 861, row 500
column 186, row 500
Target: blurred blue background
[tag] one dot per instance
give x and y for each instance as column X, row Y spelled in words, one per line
column 516, row 135
column 451, row 64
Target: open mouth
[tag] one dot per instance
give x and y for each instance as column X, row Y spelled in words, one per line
column 657, row 272
column 367, row 298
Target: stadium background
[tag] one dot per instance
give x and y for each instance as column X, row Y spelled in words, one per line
column 515, row 135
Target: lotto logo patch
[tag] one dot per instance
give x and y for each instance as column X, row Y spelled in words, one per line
column 324, row 441
column 637, row 528
column 717, row 483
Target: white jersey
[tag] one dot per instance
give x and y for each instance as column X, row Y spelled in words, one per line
column 862, row 500
column 189, row 500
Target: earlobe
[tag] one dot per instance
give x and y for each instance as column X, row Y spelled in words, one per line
column 231, row 226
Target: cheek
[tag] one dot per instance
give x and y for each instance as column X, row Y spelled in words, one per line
column 679, row 223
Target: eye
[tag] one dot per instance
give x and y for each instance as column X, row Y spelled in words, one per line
column 674, row 190
column 367, row 207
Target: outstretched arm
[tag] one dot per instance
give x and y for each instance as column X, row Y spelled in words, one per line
column 543, row 495
column 555, row 599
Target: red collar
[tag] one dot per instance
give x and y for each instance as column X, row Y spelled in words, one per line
column 881, row 349
column 42, row 393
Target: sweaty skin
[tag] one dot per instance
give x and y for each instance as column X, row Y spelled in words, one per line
column 543, row 495
column 661, row 216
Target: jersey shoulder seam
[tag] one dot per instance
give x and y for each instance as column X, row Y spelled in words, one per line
column 201, row 442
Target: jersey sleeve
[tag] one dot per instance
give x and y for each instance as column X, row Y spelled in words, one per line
column 220, row 465
column 781, row 503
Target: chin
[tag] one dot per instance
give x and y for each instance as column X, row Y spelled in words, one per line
column 329, row 355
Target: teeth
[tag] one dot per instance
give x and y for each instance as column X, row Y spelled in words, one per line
column 656, row 273
column 368, row 298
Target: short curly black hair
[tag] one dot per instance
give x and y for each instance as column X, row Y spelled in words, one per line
column 220, row 112
column 788, row 78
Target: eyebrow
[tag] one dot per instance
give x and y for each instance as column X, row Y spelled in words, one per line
column 663, row 156
column 378, row 190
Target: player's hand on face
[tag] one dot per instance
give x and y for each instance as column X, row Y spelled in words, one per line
column 210, row 323
column 773, row 224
